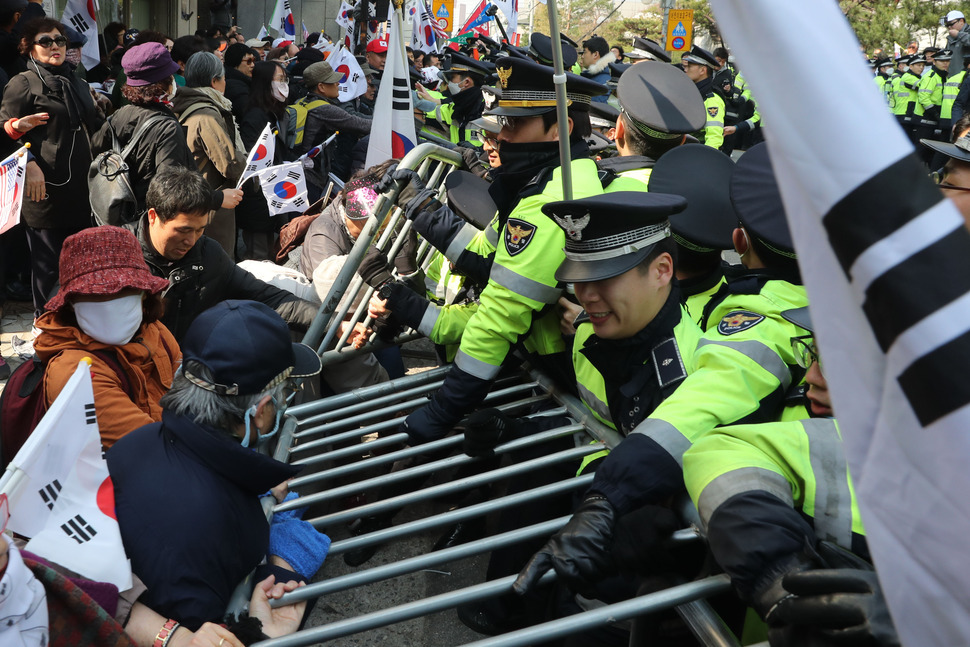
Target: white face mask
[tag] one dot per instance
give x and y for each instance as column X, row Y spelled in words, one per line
column 112, row 322
column 281, row 90
column 173, row 90
column 453, row 88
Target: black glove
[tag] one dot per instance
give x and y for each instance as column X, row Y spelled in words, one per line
column 485, row 430
column 408, row 307
column 406, row 261
column 832, row 607
column 373, row 269
column 411, row 187
column 471, row 158
column 387, row 181
column 580, row 552
column 642, row 538
column 426, row 200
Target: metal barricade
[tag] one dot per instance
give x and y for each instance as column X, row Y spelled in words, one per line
column 348, row 445
column 387, row 229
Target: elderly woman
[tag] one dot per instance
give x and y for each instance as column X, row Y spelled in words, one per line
column 187, row 489
column 240, row 60
column 150, row 87
column 107, row 308
column 56, row 183
column 212, row 136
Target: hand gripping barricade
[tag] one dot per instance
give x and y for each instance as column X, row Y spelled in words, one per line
column 324, row 437
column 387, row 228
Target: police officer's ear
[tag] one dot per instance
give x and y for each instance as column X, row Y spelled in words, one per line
column 619, row 133
column 740, row 240
column 663, row 265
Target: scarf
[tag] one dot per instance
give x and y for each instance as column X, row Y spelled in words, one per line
column 225, row 104
column 58, row 79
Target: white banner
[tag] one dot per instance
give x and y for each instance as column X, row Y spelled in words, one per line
column 883, row 256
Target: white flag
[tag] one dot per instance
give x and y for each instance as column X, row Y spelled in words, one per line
column 263, row 33
column 282, row 20
column 352, row 83
column 261, row 155
column 12, row 172
column 80, row 14
column 62, row 495
column 883, row 256
column 350, row 35
column 284, row 187
column 345, row 16
column 509, row 9
column 392, row 132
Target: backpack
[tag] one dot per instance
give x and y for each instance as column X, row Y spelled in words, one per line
column 296, row 116
column 113, row 200
column 23, row 404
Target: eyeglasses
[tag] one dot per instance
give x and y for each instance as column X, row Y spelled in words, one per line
column 47, row 42
column 250, row 60
column 805, row 352
column 946, row 186
column 952, row 22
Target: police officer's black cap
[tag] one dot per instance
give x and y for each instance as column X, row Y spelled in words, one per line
column 460, row 64
column 931, row 50
column 958, row 150
column 604, row 111
column 701, row 56
column 702, row 175
column 757, row 201
column 943, row 55
column 468, row 197
column 883, row 62
column 801, row 317
column 617, row 70
column 661, row 100
column 903, row 59
column 491, row 44
column 567, row 40
column 916, row 58
column 526, row 89
column 540, row 47
column 608, row 234
column 516, row 52
column 647, row 48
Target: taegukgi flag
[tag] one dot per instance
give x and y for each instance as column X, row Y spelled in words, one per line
column 352, row 82
column 81, row 15
column 885, row 258
column 284, row 188
column 12, row 173
column 392, row 129
column 261, row 155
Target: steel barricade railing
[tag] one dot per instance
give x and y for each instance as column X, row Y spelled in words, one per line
column 432, row 163
column 337, row 463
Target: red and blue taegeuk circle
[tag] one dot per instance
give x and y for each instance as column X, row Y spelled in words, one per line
column 284, row 190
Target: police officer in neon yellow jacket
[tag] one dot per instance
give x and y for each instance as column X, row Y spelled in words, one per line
column 659, row 108
column 515, row 307
column 464, row 102
column 785, row 487
column 700, row 66
column 746, row 372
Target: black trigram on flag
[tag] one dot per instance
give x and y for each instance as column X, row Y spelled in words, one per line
column 293, row 175
column 299, row 201
column 250, row 168
column 49, row 493
column 276, row 204
column 89, row 415
column 270, row 178
column 79, row 23
column 79, row 530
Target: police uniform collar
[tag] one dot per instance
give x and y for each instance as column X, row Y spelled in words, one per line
column 608, row 234
column 661, row 101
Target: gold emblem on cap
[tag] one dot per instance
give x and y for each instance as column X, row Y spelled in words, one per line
column 503, row 76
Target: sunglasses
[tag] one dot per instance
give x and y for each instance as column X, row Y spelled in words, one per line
column 805, row 352
column 47, row 42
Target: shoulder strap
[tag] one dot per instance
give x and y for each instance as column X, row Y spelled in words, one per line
column 669, row 365
column 139, row 133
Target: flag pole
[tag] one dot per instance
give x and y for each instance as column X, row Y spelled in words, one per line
column 559, row 79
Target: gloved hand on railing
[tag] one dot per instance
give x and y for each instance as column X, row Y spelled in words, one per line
column 406, row 261
column 581, row 553
column 373, row 268
column 831, row 607
column 485, row 430
column 641, row 541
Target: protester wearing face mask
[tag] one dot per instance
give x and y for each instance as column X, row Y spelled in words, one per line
column 189, row 486
column 107, row 308
column 464, row 102
column 268, row 99
column 150, row 89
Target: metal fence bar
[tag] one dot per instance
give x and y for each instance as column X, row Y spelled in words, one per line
column 370, row 404
column 459, row 514
column 445, row 463
column 706, row 625
column 558, row 628
column 577, row 410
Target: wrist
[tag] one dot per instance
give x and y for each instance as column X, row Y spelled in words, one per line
column 164, row 635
